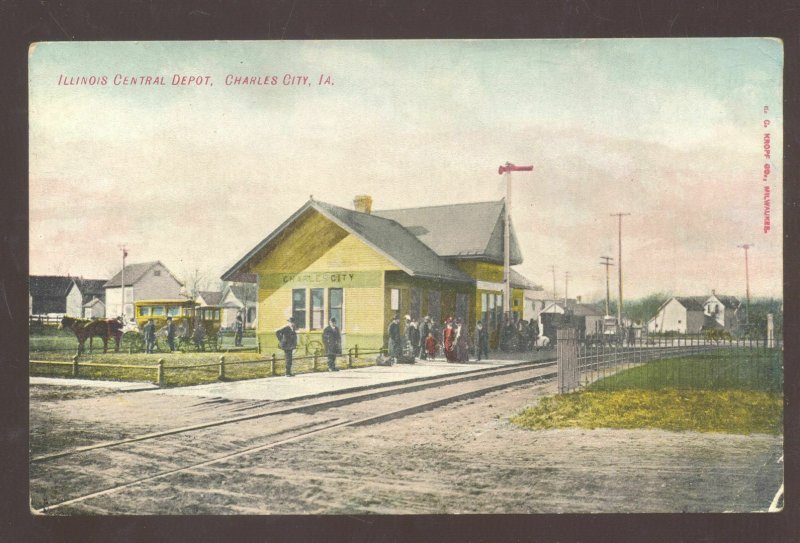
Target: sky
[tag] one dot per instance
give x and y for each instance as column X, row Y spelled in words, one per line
column 670, row 131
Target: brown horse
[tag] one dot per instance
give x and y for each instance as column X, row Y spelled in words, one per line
column 85, row 328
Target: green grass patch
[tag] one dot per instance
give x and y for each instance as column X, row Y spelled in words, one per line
column 715, row 370
column 729, row 391
column 180, row 369
column 727, row 411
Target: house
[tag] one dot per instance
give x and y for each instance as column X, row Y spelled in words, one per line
column 94, row 309
column 82, row 293
column 235, row 297
column 47, row 295
column 586, row 318
column 722, row 312
column 56, row 295
column 209, row 297
column 681, row 314
column 363, row 267
column 143, row 281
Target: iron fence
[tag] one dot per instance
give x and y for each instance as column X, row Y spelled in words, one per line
column 584, row 361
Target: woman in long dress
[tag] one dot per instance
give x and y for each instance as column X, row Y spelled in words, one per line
column 449, row 342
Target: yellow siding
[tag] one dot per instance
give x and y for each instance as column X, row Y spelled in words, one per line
column 363, row 311
column 351, row 254
column 482, row 271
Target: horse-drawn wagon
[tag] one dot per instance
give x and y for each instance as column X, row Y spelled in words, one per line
column 196, row 327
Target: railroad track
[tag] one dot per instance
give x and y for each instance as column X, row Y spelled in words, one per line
column 75, row 475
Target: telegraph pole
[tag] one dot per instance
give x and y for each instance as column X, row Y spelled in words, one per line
column 607, row 263
column 619, row 266
column 124, row 254
column 553, row 269
column 746, row 246
column 507, row 169
column 566, row 289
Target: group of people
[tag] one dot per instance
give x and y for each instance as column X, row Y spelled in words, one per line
column 149, row 332
column 331, row 339
column 423, row 340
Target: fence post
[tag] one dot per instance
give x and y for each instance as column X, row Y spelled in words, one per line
column 316, row 357
column 356, row 350
column 221, row 368
column 160, row 372
column 567, row 347
column 75, row 366
column 350, row 358
column 272, row 364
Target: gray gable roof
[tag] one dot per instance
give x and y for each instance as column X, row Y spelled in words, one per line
column 134, row 272
column 385, row 236
column 691, row 303
column 245, row 291
column 210, row 297
column 49, row 285
column 520, row 281
column 91, row 287
column 471, row 230
column 731, row 302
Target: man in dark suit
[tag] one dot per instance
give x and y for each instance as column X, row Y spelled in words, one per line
column 287, row 339
column 424, row 328
column 395, row 343
column 332, row 339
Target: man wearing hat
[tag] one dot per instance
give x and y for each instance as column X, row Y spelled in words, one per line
column 287, row 338
column 395, row 344
column 332, row 339
column 424, row 329
column 149, row 336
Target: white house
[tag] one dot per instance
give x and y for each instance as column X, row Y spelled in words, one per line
column 208, row 297
column 681, row 314
column 144, row 281
column 94, row 309
column 235, row 298
column 722, row 312
column 62, row 295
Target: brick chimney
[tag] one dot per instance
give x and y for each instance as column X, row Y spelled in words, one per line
column 363, row 203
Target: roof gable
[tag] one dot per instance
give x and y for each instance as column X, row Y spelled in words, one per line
column 49, row 285
column 210, row 297
column 134, row 272
column 382, row 235
column 691, row 303
column 469, row 230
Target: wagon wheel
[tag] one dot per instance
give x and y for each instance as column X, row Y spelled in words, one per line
column 212, row 343
column 132, row 341
column 313, row 346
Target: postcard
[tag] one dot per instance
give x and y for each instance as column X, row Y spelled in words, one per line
column 406, row 277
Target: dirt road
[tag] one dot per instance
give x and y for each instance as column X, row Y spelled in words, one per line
column 461, row 458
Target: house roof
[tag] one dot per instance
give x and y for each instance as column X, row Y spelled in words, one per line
column 470, row 230
column 691, row 303
column 93, row 302
column 520, row 281
column 385, row 236
column 211, row 297
column 91, row 287
column 134, row 272
column 49, row 285
column 587, row 310
column 245, row 291
column 731, row 302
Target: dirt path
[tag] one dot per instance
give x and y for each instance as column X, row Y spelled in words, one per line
column 462, row 458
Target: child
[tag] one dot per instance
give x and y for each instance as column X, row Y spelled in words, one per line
column 430, row 346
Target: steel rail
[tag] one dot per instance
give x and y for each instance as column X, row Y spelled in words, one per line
column 372, row 419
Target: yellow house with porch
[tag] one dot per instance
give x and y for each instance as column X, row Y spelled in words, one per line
column 362, row 267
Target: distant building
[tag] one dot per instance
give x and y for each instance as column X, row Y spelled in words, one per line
column 57, row 295
column 237, row 296
column 209, row 297
column 586, row 318
column 143, row 281
column 722, row 312
column 680, row 314
column 94, row 309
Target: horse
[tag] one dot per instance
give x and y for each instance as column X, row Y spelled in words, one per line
column 85, row 328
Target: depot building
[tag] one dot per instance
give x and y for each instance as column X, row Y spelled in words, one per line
column 363, row 267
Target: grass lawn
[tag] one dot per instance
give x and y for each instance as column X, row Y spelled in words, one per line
column 180, row 369
column 713, row 392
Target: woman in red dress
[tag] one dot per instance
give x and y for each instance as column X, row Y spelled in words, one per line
column 449, row 342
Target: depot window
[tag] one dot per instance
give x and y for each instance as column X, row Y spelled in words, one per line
column 317, row 308
column 395, row 299
column 299, row 307
column 335, row 304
